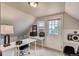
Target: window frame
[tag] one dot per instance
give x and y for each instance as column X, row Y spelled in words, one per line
column 58, row 19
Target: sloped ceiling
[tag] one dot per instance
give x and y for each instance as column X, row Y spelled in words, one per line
column 72, row 9
column 20, row 20
column 22, row 16
column 47, row 8
column 44, row 8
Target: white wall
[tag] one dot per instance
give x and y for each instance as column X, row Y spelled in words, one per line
column 70, row 25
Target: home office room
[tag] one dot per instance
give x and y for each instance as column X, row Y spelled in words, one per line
column 39, row 28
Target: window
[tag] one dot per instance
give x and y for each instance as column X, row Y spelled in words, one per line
column 41, row 26
column 53, row 27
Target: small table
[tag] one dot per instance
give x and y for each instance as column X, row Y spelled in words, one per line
column 39, row 38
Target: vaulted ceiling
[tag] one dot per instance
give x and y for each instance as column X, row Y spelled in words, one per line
column 22, row 16
column 12, row 16
column 72, row 9
column 47, row 8
column 44, row 8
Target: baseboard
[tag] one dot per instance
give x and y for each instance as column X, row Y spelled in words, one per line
column 52, row 49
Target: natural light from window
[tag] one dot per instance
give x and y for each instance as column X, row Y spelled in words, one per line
column 53, row 27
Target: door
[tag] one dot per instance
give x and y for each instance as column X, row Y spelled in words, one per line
column 54, row 37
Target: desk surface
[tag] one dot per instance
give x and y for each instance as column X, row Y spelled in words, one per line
column 13, row 44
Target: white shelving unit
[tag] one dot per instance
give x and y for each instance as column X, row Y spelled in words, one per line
column 41, row 28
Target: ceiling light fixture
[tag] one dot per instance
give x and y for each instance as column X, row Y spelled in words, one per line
column 33, row 4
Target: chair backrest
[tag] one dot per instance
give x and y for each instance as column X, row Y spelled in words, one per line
column 69, row 50
column 24, row 47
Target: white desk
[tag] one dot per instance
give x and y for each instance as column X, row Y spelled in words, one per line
column 7, row 51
